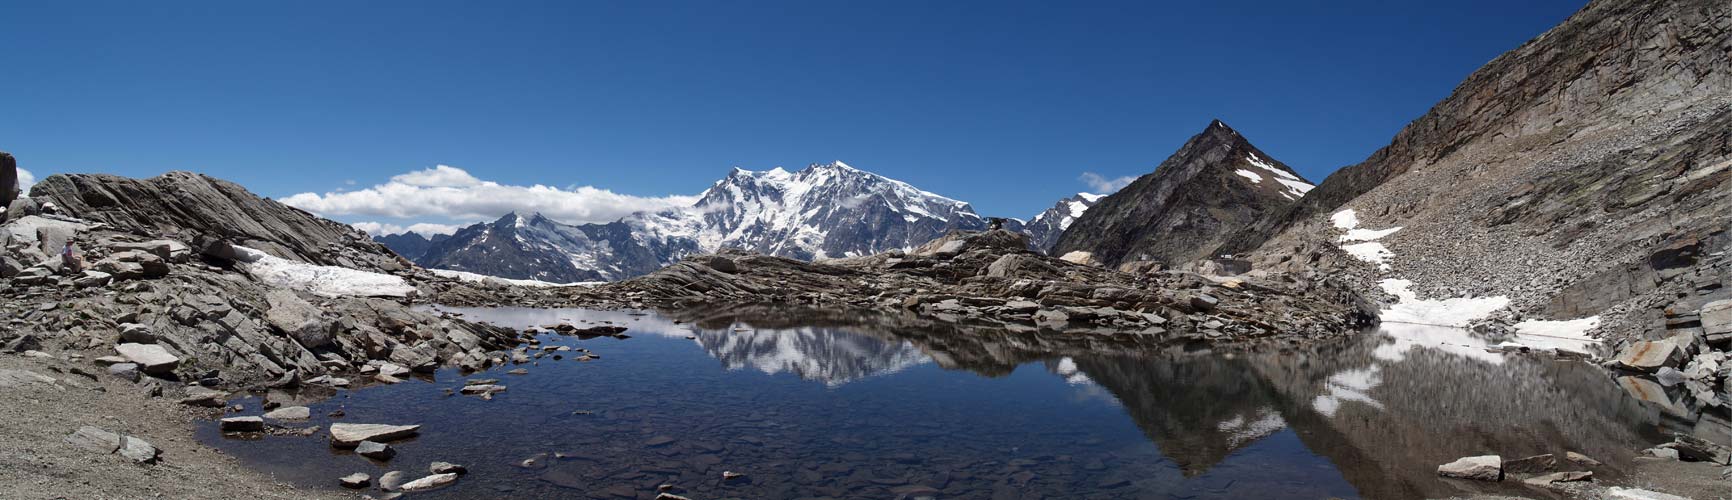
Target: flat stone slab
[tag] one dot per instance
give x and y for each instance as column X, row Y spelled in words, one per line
column 351, row 435
column 290, row 413
column 151, row 358
column 1559, row 477
column 431, row 482
column 242, row 424
column 94, row 439
column 1482, row 468
column 1650, row 355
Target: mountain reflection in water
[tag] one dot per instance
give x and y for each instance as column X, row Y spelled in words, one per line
column 1371, row 416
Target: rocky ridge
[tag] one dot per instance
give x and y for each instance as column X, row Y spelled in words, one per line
column 992, row 278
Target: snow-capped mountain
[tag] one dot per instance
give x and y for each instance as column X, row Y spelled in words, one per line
column 826, row 210
column 536, row 247
column 1044, row 229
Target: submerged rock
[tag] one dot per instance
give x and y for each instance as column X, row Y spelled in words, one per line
column 432, row 482
column 355, row 481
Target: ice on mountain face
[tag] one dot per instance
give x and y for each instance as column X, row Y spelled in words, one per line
column 325, row 281
column 1295, row 186
column 1255, row 179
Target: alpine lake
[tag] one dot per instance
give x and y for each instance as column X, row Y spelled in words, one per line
column 808, row 404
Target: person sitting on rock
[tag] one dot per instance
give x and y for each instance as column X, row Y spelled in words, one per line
column 69, row 258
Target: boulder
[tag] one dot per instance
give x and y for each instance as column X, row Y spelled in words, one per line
column 94, row 439
column 168, row 250
column 1482, row 468
column 92, row 278
column 151, row 358
column 447, row 468
column 355, row 481
column 432, row 482
column 139, row 450
column 125, row 371
column 720, row 263
column 1717, row 317
column 1559, row 477
column 242, row 424
column 391, row 481
column 290, row 413
column 375, row 450
column 205, row 397
column 1650, row 355
column 298, row 319
column 136, row 333
column 1531, row 465
column 1580, row 459
column 351, row 435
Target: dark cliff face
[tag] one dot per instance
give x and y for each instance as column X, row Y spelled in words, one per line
column 1606, row 68
column 1214, row 186
column 196, row 208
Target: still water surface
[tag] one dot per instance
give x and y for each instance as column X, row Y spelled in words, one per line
column 814, row 405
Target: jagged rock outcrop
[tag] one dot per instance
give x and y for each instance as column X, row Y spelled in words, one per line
column 1583, row 173
column 198, row 209
column 8, row 180
column 1213, row 186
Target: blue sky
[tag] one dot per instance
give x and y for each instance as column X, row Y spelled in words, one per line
column 1003, row 104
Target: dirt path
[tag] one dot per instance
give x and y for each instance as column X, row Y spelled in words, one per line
column 36, row 462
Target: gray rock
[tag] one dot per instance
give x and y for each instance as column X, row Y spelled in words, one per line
column 125, row 371
column 1580, row 459
column 1531, row 465
column 428, row 483
column 136, row 333
column 242, row 424
column 205, row 397
column 1717, row 317
column 1622, row 493
column 139, row 450
column 151, row 358
column 298, row 319
column 1559, row 477
column 290, row 413
column 92, row 279
column 1482, row 468
column 391, row 481
column 375, row 450
column 94, row 439
column 347, row 435
column 1650, row 355
column 355, row 481
column 447, row 468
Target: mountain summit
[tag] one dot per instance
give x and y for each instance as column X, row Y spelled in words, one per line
column 825, row 210
column 1214, row 185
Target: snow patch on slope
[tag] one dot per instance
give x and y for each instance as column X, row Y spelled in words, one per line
column 1453, row 312
column 482, row 278
column 324, row 281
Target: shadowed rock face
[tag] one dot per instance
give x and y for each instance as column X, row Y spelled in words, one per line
column 8, row 179
column 1213, row 186
column 197, row 209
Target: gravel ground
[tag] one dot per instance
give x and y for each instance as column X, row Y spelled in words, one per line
column 36, row 462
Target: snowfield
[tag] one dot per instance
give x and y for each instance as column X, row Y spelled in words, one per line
column 324, row 281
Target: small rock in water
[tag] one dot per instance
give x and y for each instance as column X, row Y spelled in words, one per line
column 432, row 482
column 290, row 413
column 447, row 468
column 658, row 441
column 242, row 424
column 729, row 475
column 518, row 371
column 535, row 462
column 670, row 496
column 375, row 450
column 391, row 481
column 351, row 435
column 355, row 481
column 1483, row 468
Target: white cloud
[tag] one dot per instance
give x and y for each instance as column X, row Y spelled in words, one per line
column 25, row 180
column 1103, row 185
column 423, row 228
column 454, row 194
